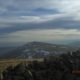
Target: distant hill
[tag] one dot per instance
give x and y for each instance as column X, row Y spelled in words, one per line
column 37, row 50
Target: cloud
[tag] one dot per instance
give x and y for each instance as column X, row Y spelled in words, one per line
column 35, row 17
column 31, row 19
column 22, row 11
column 47, row 35
column 58, row 21
column 20, row 7
column 24, row 7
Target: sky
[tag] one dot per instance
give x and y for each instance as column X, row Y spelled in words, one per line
column 54, row 21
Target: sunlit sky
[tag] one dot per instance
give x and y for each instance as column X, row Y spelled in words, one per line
column 54, row 21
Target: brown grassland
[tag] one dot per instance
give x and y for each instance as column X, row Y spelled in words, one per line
column 13, row 62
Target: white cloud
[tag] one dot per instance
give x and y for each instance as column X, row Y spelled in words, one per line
column 29, row 19
column 70, row 7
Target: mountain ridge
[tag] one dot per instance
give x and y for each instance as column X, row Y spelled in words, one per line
column 37, row 50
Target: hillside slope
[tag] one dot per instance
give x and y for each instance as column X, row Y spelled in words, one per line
column 37, row 50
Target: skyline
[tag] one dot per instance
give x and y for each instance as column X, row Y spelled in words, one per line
column 54, row 21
